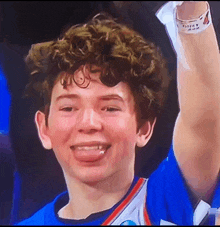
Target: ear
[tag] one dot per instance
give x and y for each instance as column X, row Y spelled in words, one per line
column 42, row 130
column 145, row 133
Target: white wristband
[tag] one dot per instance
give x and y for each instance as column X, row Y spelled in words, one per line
column 195, row 25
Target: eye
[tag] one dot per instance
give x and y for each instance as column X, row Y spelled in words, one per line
column 111, row 109
column 67, row 109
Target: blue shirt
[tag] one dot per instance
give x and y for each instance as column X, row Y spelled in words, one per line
column 168, row 200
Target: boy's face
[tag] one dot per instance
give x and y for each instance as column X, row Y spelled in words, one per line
column 93, row 131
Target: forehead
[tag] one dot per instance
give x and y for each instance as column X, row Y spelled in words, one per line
column 93, row 88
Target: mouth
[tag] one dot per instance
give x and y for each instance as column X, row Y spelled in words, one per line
column 90, row 152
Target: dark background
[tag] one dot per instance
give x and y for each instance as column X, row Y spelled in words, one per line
column 35, row 172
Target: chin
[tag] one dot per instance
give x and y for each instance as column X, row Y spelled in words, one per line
column 91, row 180
column 90, row 175
column 94, row 176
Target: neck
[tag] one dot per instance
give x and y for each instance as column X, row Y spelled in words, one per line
column 88, row 198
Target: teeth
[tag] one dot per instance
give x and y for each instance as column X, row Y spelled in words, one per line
column 87, row 148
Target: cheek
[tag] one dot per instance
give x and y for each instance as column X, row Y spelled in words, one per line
column 60, row 137
column 126, row 126
column 123, row 132
column 60, row 132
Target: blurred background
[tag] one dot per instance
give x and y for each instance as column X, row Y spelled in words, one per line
column 30, row 176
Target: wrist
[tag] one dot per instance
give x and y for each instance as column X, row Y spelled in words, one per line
column 197, row 22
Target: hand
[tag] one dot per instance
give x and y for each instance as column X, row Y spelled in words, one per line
column 191, row 9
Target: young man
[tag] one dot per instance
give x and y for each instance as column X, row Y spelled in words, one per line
column 102, row 87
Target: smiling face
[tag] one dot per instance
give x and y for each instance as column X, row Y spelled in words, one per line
column 93, row 130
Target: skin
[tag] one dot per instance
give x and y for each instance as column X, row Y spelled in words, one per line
column 95, row 115
column 196, row 133
column 197, row 130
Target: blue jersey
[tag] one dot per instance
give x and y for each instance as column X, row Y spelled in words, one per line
column 163, row 199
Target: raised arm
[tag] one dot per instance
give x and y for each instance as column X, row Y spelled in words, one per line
column 196, row 136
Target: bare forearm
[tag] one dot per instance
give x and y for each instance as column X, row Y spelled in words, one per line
column 199, row 72
column 197, row 130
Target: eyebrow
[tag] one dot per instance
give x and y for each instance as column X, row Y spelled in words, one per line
column 104, row 97
column 67, row 96
column 111, row 97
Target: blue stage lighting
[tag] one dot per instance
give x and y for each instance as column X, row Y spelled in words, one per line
column 5, row 101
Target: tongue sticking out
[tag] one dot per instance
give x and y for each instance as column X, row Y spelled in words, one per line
column 89, row 154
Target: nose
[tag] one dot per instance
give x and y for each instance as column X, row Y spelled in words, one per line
column 89, row 121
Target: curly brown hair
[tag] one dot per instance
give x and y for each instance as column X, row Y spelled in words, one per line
column 122, row 52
